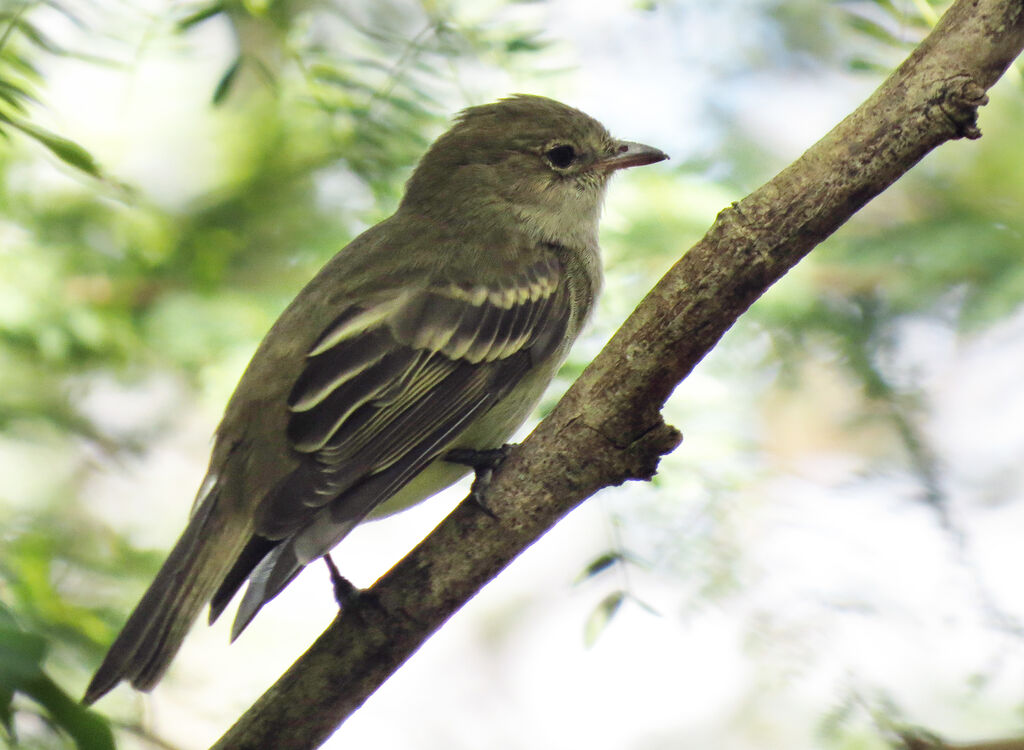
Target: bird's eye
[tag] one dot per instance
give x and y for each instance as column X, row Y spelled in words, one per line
column 561, row 157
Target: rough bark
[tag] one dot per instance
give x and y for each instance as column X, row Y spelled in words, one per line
column 608, row 427
column 917, row 741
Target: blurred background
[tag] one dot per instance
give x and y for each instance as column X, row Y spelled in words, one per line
column 831, row 556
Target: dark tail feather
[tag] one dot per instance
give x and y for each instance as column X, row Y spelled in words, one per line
column 257, row 548
column 192, row 572
column 274, row 572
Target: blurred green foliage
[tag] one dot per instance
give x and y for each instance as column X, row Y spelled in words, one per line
column 950, row 255
column 99, row 283
column 21, row 39
column 22, row 654
column 325, row 107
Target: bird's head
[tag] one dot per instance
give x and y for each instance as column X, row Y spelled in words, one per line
column 538, row 160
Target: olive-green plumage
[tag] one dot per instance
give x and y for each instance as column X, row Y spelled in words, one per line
column 438, row 328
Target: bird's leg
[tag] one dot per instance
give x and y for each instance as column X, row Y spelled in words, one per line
column 345, row 591
column 483, row 463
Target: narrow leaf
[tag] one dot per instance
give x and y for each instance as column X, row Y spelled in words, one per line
column 7, row 712
column 197, row 17
column 601, row 616
column 598, row 565
column 226, row 81
column 89, row 730
column 65, row 150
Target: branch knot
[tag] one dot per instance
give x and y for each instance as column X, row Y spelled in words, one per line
column 644, row 454
column 959, row 98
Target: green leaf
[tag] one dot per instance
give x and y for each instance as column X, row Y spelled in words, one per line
column 89, row 730
column 861, row 65
column 525, row 43
column 601, row 616
column 223, row 88
column 877, row 31
column 15, row 95
column 37, row 37
column 600, row 564
column 6, row 712
column 9, row 29
column 606, row 560
column 198, row 16
column 21, row 656
column 21, row 671
column 64, row 149
column 888, row 7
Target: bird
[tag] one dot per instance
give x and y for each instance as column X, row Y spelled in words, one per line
column 436, row 330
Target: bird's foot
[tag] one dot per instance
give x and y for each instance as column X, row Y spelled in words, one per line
column 345, row 592
column 483, row 463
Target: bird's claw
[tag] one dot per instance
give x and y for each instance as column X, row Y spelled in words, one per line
column 345, row 592
column 483, row 463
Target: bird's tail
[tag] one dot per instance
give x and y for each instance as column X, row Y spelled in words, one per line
column 192, row 572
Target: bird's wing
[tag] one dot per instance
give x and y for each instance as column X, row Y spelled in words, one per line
column 388, row 385
column 384, row 390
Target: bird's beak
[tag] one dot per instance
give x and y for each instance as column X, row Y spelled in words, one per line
column 629, row 154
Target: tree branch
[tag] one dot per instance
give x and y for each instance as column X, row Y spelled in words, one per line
column 608, row 427
column 918, row 741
